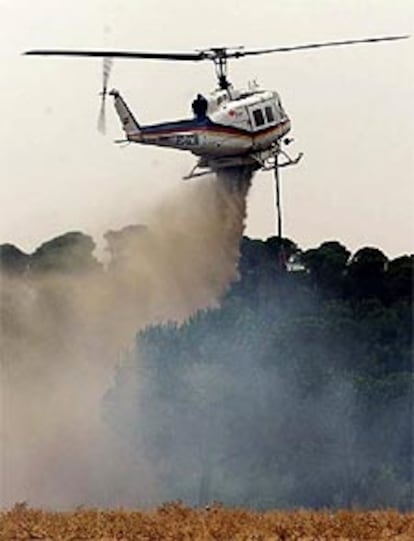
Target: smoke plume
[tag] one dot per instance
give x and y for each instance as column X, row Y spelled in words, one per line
column 65, row 318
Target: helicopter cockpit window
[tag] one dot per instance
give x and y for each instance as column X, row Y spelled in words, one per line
column 258, row 117
column 269, row 114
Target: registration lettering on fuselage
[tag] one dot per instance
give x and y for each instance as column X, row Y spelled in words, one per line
column 180, row 140
column 187, row 139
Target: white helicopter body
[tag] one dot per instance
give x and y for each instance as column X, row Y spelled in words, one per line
column 230, row 128
column 237, row 128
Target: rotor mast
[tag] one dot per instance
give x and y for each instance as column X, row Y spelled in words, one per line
column 219, row 56
column 220, row 65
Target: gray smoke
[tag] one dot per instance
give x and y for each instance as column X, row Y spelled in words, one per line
column 65, row 318
column 272, row 400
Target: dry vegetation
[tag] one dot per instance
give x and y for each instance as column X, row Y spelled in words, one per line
column 175, row 521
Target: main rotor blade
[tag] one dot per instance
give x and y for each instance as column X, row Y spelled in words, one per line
column 192, row 56
column 240, row 53
column 205, row 54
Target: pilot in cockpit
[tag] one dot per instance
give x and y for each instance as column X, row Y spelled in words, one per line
column 199, row 107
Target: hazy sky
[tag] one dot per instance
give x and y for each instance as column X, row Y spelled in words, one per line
column 351, row 111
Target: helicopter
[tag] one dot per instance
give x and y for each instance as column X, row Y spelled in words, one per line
column 230, row 128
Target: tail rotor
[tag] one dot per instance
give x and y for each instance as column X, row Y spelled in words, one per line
column 107, row 66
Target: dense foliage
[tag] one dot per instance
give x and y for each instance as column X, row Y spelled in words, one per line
column 296, row 391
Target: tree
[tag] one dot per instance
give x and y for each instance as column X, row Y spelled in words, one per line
column 71, row 253
column 400, row 279
column 12, row 260
column 327, row 267
column 366, row 272
column 295, row 391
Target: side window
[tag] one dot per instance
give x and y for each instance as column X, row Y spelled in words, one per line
column 269, row 114
column 258, row 117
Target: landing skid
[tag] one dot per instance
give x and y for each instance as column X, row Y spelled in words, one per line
column 268, row 164
column 212, row 166
column 193, row 174
column 265, row 161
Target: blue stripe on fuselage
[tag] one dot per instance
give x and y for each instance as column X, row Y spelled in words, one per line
column 205, row 124
column 177, row 125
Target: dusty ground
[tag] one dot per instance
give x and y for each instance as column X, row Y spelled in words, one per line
column 175, row 521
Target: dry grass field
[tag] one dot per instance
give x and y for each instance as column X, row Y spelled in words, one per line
column 176, row 521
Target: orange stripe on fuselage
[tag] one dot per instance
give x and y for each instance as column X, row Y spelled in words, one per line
column 215, row 129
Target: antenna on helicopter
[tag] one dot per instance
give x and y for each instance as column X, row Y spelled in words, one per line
column 106, row 70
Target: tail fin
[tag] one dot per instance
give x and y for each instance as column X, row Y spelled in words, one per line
column 129, row 124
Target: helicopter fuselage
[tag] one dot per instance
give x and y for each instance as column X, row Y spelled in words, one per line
column 230, row 127
column 234, row 124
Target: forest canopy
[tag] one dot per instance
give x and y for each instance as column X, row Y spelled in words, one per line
column 295, row 390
